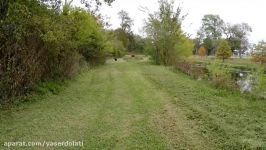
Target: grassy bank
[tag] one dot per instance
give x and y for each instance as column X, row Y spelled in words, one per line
column 135, row 105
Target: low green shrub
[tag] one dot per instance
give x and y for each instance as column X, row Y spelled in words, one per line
column 49, row 87
column 220, row 76
column 259, row 88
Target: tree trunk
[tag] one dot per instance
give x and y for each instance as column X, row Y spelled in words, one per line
column 3, row 8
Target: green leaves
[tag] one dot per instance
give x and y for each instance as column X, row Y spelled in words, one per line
column 213, row 26
column 164, row 29
column 39, row 43
column 184, row 47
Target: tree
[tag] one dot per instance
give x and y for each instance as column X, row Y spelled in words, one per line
column 164, row 29
column 140, row 43
column 124, row 32
column 184, row 47
column 212, row 26
column 122, row 36
column 3, row 8
column 126, row 21
column 259, row 54
column 114, row 46
column 90, row 37
column 88, row 3
column 210, row 45
column 237, row 37
column 202, row 51
column 211, row 31
column 198, row 41
column 223, row 50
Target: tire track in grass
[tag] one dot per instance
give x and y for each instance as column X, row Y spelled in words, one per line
column 140, row 135
column 130, row 105
column 180, row 133
column 162, row 117
column 121, row 115
column 187, row 95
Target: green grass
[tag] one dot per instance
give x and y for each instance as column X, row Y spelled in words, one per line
column 135, row 105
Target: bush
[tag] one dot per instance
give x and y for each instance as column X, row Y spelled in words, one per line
column 48, row 87
column 259, row 54
column 259, row 88
column 39, row 43
column 220, row 76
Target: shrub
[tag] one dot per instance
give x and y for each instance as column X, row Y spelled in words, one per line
column 223, row 50
column 48, row 87
column 259, row 54
column 39, row 43
column 259, row 88
column 220, row 76
column 202, row 51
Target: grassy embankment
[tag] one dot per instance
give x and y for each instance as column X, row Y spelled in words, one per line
column 135, row 105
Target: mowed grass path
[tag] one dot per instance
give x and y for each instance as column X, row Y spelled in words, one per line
column 135, row 105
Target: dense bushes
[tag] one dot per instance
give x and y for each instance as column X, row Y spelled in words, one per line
column 114, row 46
column 38, row 44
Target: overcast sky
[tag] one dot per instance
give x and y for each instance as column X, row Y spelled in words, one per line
column 252, row 12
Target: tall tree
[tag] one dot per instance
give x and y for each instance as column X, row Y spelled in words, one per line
column 124, row 32
column 164, row 29
column 212, row 26
column 211, row 31
column 126, row 21
column 237, row 36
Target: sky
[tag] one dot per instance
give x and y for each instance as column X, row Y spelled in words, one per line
column 252, row 12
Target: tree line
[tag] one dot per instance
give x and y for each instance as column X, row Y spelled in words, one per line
column 214, row 30
column 51, row 40
column 215, row 37
column 166, row 42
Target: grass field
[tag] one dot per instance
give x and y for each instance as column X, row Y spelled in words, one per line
column 135, row 105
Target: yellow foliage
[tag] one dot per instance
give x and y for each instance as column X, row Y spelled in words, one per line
column 223, row 51
column 202, row 51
